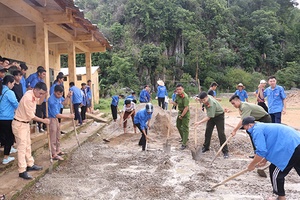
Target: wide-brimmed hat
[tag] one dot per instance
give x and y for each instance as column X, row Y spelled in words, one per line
column 160, row 82
column 240, row 85
column 263, row 82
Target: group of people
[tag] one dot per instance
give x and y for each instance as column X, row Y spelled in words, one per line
column 23, row 100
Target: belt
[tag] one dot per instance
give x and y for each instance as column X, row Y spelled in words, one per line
column 21, row 121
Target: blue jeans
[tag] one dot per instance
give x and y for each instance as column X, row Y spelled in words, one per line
column 276, row 117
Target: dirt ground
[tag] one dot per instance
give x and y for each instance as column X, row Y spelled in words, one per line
column 120, row 170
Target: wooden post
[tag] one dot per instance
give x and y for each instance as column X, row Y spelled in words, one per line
column 88, row 65
column 42, row 49
column 72, row 62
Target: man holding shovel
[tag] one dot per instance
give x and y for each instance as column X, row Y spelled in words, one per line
column 183, row 119
column 215, row 117
column 278, row 144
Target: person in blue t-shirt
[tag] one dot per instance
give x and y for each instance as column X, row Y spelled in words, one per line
column 84, row 102
column 278, row 144
column 173, row 99
column 161, row 93
column 55, row 102
column 114, row 105
column 24, row 68
column 145, row 95
column 276, row 99
column 76, row 101
column 142, row 121
column 89, row 96
column 131, row 97
column 59, row 81
column 241, row 92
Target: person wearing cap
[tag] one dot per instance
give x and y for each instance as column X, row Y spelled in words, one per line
column 21, row 127
column 278, row 144
column 114, row 105
column 131, row 97
column 24, row 68
column 129, row 111
column 145, row 95
column 241, row 92
column 161, row 93
column 142, row 121
column 183, row 119
column 215, row 117
column 260, row 99
column 276, row 99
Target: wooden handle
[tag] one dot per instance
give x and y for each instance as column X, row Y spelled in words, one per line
column 169, row 125
column 195, row 134
column 222, row 147
column 230, row 178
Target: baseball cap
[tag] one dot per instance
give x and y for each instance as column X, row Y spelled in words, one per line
column 263, row 82
column 149, row 107
column 248, row 120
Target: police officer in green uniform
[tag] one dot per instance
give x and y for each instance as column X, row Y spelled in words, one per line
column 183, row 119
column 215, row 117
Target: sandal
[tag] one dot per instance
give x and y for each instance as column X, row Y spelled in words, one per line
column 57, row 157
column 61, row 153
column 2, row 197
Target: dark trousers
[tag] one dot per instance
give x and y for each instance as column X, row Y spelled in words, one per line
column 276, row 117
column 217, row 121
column 125, row 117
column 263, row 105
column 83, row 112
column 114, row 111
column 277, row 176
column 161, row 102
column 6, row 135
column 61, row 111
column 76, row 112
column 143, row 140
column 41, row 113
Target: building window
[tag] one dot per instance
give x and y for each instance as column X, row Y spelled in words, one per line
column 9, row 36
column 79, row 77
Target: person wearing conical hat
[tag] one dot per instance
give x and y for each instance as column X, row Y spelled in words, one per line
column 161, row 93
column 241, row 92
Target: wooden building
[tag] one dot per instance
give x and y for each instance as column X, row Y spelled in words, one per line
column 37, row 32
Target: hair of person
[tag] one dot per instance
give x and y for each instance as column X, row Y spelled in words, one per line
column 83, row 84
column 41, row 86
column 39, row 67
column 17, row 73
column 127, row 102
column 59, row 77
column 71, row 84
column 272, row 77
column 89, row 81
column 213, row 84
column 7, row 79
column 179, row 85
column 6, row 59
column 23, row 66
column 132, row 92
column 146, row 86
column 60, row 73
column 40, row 71
column 202, row 95
column 121, row 95
column 58, row 88
column 233, row 97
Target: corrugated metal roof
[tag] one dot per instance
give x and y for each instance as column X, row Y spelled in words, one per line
column 79, row 70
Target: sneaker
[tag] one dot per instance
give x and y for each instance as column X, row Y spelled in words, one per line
column 182, row 147
column 8, row 160
column 13, row 150
column 204, row 150
column 25, row 175
column 41, row 130
column 226, row 155
column 251, row 156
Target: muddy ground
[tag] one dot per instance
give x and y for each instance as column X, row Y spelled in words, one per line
column 120, row 170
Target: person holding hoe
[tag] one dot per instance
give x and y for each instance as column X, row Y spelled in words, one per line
column 278, row 144
column 129, row 111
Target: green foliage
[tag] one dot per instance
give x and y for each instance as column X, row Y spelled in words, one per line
column 289, row 77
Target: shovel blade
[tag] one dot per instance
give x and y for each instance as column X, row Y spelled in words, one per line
column 261, row 173
column 167, row 147
column 196, row 154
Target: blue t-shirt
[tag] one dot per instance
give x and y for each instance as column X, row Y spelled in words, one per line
column 8, row 104
column 141, row 117
column 275, row 142
column 54, row 105
column 77, row 96
column 88, row 92
column 115, row 100
column 144, row 96
column 275, row 98
column 32, row 80
column 242, row 94
column 130, row 97
column 84, row 97
column 173, row 97
column 161, row 91
column 23, row 82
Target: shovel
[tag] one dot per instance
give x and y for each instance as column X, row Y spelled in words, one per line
column 222, row 147
column 226, row 180
column 49, row 142
column 167, row 146
column 196, row 153
column 261, row 172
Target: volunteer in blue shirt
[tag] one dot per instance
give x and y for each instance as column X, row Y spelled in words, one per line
column 131, row 97
column 89, row 96
column 55, row 102
column 84, row 102
column 173, row 99
column 59, row 81
column 241, row 92
column 142, row 121
column 278, row 144
column 8, row 105
column 161, row 93
column 76, row 101
column 144, row 95
column 23, row 80
column 276, row 99
column 32, row 76
column 114, row 106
